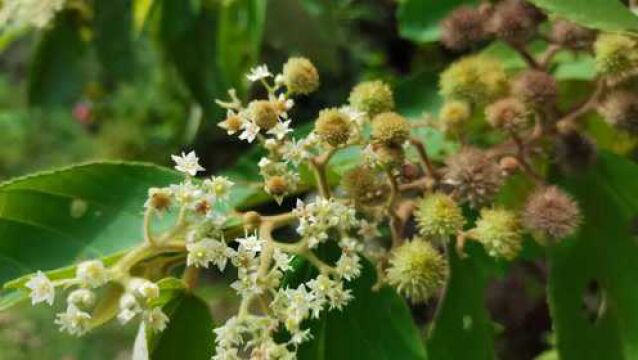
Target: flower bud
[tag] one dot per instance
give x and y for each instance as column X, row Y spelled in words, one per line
column 454, row 115
column 264, row 114
column 620, row 110
column 507, row 114
column 372, row 97
column 463, row 28
column 251, row 220
column 417, row 270
column 552, row 213
column 574, row 152
column 92, row 273
column 390, row 129
column 475, row 79
column 300, row 76
column 509, row 165
column 363, row 186
column 500, row 233
column 615, row 54
column 81, row 298
column 475, row 177
column 572, row 36
column 438, row 215
column 513, row 21
column 333, row 126
column 232, row 124
column 535, row 88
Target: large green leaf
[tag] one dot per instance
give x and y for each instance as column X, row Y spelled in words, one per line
column 375, row 325
column 608, row 15
column 52, row 219
column 604, row 253
column 419, row 19
column 462, row 328
column 55, row 74
column 113, row 25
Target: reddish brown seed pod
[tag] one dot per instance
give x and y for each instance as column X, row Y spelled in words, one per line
column 572, row 36
column 514, row 21
column 536, row 88
column 552, row 213
column 463, row 28
column 620, row 110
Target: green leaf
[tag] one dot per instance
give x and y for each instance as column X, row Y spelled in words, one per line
column 112, row 23
column 141, row 11
column 462, row 328
column 608, row 15
column 55, row 74
column 239, row 34
column 419, row 19
column 375, row 325
column 604, row 252
column 189, row 334
column 51, row 219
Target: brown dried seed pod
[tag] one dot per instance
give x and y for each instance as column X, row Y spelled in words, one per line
column 513, row 21
column 475, row 178
column 463, row 28
column 573, row 36
column 363, row 186
column 620, row 109
column 552, row 213
column 507, row 114
column 264, row 113
column 536, row 88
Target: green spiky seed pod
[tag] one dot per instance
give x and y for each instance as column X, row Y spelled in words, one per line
column 454, row 115
column 333, row 126
column 372, row 97
column 363, row 186
column 463, row 28
column 500, row 232
column 417, row 270
column 551, row 213
column 620, row 110
column 438, row 215
column 475, row 79
column 507, row 114
column 300, row 76
column 572, row 36
column 474, row 176
column 263, row 113
column 615, row 54
column 535, row 88
column 390, row 129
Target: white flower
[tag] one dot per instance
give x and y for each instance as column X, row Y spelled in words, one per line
column 81, row 297
column 159, row 198
column 338, row 297
column 295, row 152
column 368, row 230
column 244, row 259
column 229, row 334
column 155, row 319
column 281, row 129
column 220, row 186
column 250, row 131
column 206, row 251
column 73, row 320
column 358, row 117
column 259, row 72
column 230, row 124
column 42, row 289
column 246, row 284
column 187, row 163
column 348, row 266
column 282, row 260
column 92, row 273
column 129, row 308
column 300, row 302
column 223, row 353
column 250, row 243
column 146, row 290
column 300, row 336
column 186, row 193
column 286, row 105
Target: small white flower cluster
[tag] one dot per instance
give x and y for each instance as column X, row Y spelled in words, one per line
column 29, row 13
column 138, row 299
column 76, row 320
column 316, row 218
